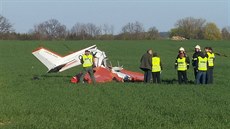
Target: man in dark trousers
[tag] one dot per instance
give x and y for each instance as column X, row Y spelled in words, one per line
column 211, row 58
column 182, row 65
column 146, row 65
column 156, row 68
column 194, row 59
column 202, row 64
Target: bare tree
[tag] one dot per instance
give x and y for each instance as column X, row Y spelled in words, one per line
column 133, row 28
column 133, row 31
column 226, row 33
column 152, row 33
column 190, row 28
column 78, row 30
column 5, row 25
column 85, row 31
column 107, row 29
column 93, row 30
column 51, row 29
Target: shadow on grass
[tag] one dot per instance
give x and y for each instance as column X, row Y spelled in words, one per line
column 174, row 81
column 164, row 81
column 39, row 77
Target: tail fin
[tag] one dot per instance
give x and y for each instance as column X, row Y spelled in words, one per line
column 48, row 58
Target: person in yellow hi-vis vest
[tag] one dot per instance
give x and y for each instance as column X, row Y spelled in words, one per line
column 182, row 65
column 156, row 68
column 202, row 65
column 211, row 58
column 87, row 62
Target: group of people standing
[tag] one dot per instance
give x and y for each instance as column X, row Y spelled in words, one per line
column 202, row 62
column 152, row 67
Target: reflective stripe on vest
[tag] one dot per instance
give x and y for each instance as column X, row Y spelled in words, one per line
column 202, row 63
column 211, row 57
column 87, row 60
column 181, row 64
column 156, row 64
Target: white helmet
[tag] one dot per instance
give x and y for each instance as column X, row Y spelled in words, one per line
column 197, row 47
column 181, row 49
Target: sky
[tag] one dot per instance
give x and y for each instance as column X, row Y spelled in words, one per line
column 162, row 14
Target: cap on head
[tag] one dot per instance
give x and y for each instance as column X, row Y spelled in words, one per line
column 206, row 49
column 210, row 48
column 181, row 49
column 197, row 47
column 154, row 54
column 150, row 51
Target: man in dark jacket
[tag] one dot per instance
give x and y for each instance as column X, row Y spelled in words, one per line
column 194, row 59
column 146, row 65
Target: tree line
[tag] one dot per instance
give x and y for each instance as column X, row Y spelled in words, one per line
column 189, row 28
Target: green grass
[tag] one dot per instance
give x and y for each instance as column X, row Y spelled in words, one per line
column 52, row 102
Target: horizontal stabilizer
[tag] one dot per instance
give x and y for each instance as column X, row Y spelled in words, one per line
column 48, row 58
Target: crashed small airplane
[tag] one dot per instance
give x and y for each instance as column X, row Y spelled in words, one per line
column 102, row 72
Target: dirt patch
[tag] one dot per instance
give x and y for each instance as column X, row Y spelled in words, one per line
column 178, row 38
column 2, row 123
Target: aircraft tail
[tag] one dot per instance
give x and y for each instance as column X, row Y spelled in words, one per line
column 57, row 63
column 48, row 58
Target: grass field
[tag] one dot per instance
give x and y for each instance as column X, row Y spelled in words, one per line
column 52, row 102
